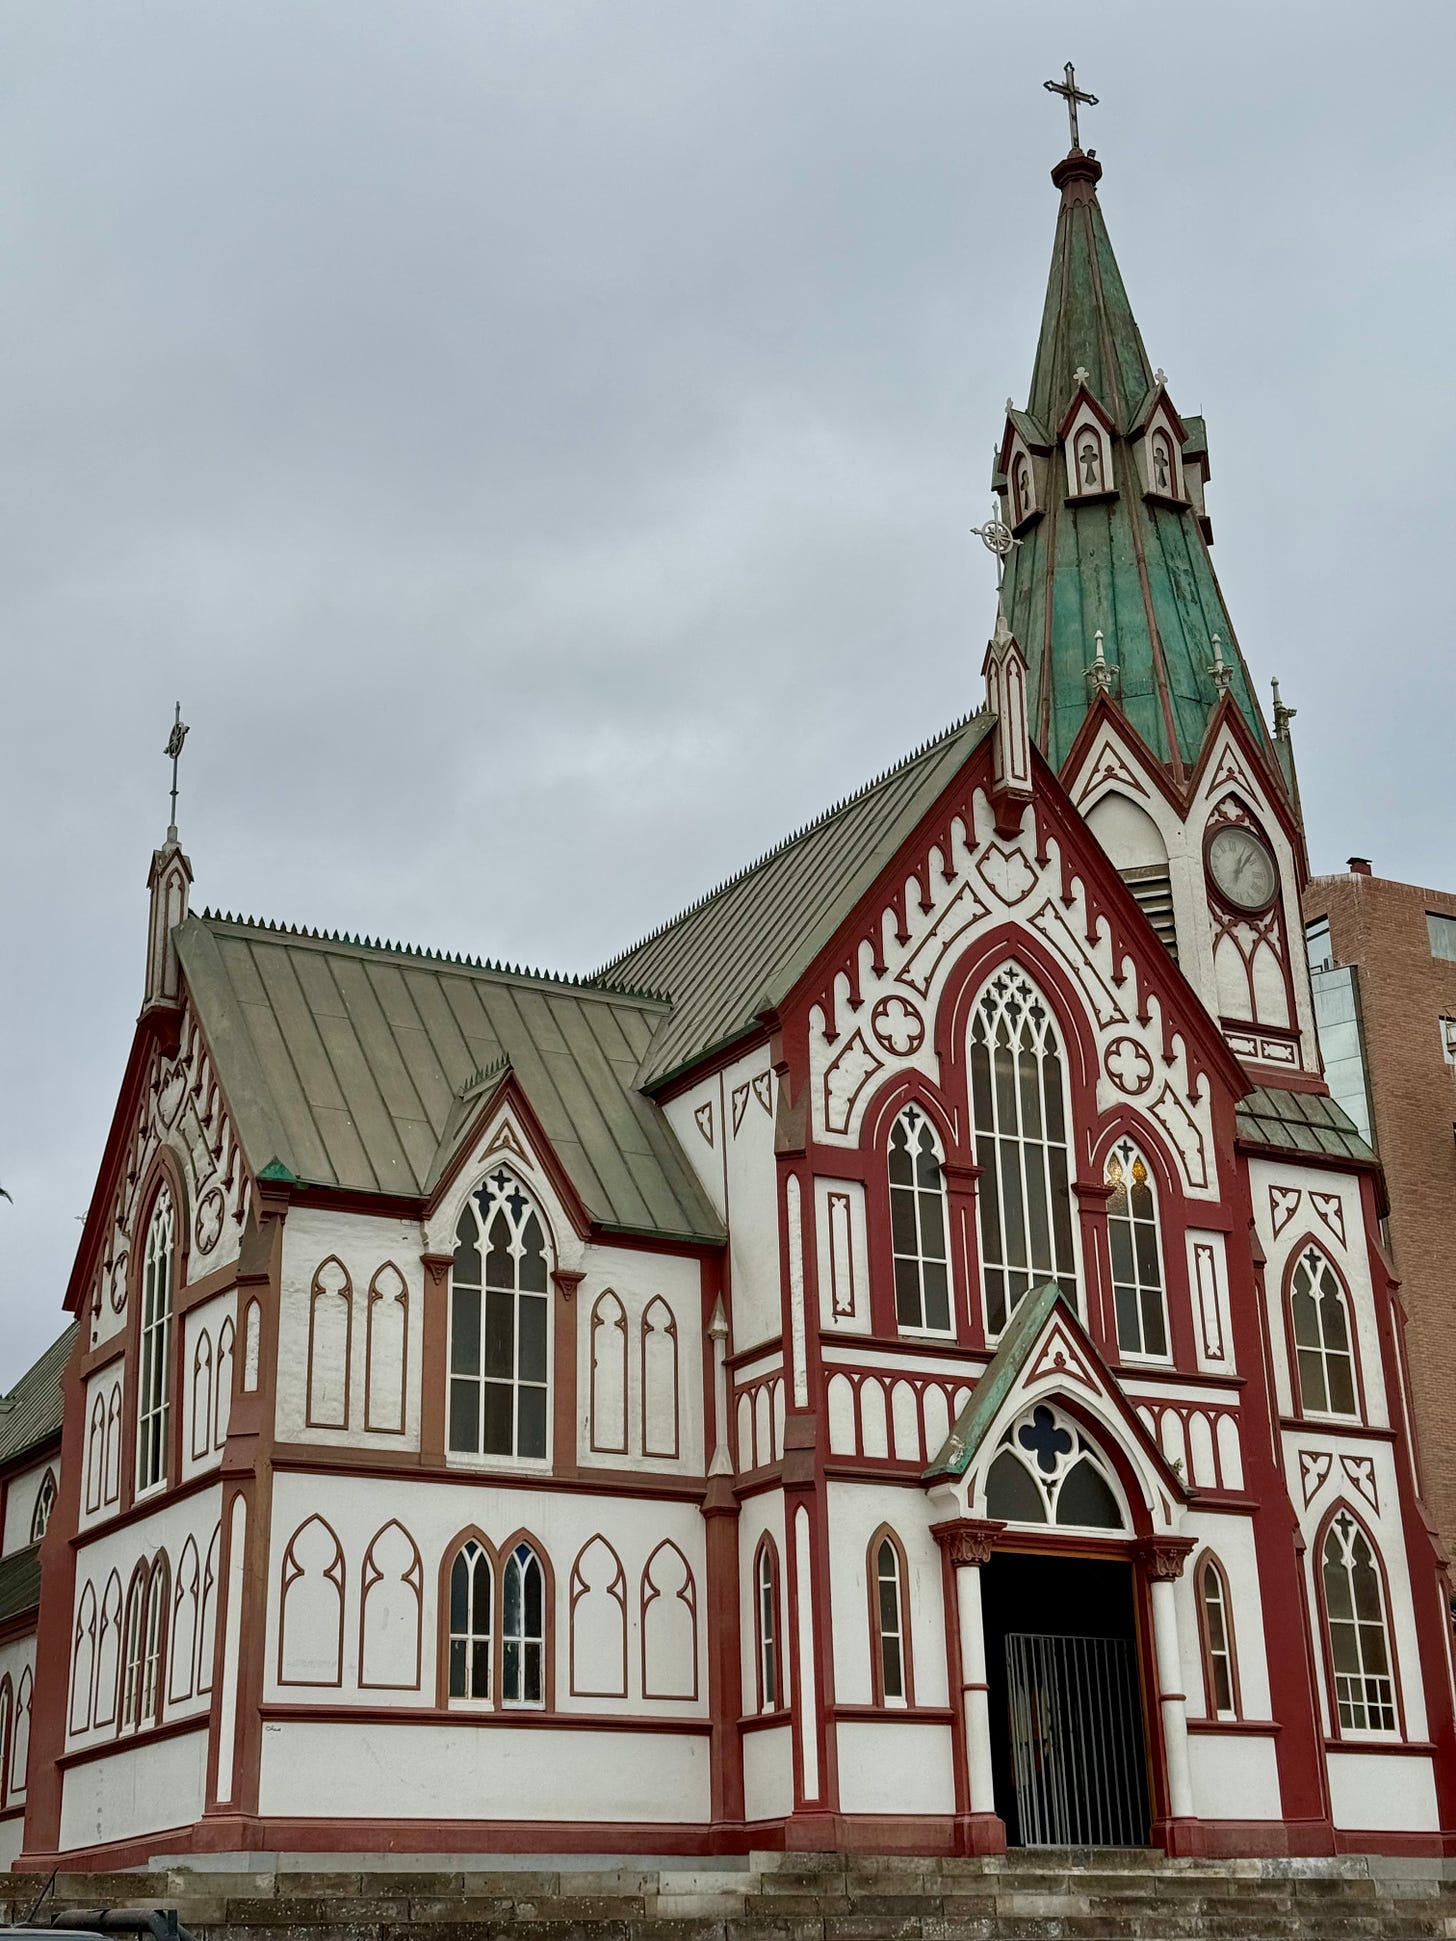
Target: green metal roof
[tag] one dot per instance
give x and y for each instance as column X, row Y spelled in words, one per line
column 748, row 942
column 20, row 1582
column 347, row 1063
column 1300, row 1122
column 1138, row 571
column 30, row 1415
column 969, row 1430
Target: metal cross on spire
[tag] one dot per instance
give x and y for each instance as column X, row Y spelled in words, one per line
column 1072, row 95
column 174, row 749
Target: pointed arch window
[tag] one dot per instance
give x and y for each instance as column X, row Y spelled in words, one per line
column 766, row 1625
column 1323, row 1351
column 1216, row 1637
column 471, row 1599
column 1137, row 1262
column 1354, row 1600
column 154, row 1358
column 889, row 1620
column 499, row 1309
column 1018, row 1108
column 1046, row 1471
column 918, row 1224
column 45, row 1503
column 145, row 1638
column 523, row 1628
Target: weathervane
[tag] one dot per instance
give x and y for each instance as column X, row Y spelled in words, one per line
column 1072, row 94
column 174, row 749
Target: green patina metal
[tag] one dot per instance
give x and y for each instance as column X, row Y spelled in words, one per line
column 997, row 1382
column 1135, row 568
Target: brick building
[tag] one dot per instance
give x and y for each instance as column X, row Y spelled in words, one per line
column 1383, row 958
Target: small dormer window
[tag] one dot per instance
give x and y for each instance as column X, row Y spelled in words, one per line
column 1162, row 463
column 1023, row 493
column 1087, row 445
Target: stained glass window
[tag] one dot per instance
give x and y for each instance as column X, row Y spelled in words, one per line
column 1355, row 1612
column 470, row 1605
column 1019, row 1112
column 499, row 1310
column 1137, row 1270
column 1322, row 1345
column 154, row 1357
column 918, row 1224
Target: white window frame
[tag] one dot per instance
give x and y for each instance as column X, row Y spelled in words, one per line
column 498, row 1188
column 1126, row 1153
column 154, row 1345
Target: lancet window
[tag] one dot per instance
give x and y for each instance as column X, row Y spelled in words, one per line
column 1018, row 1108
column 1323, row 1351
column 1215, row 1630
column 499, row 1310
column 918, row 1223
column 1137, row 1267
column 1359, row 1642
column 523, row 1629
column 145, row 1639
column 766, row 1625
column 889, row 1620
column 45, row 1503
column 154, row 1359
column 471, row 1597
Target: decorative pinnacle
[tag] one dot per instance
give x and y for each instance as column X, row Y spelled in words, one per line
column 1282, row 715
column 1072, row 95
column 1219, row 671
column 174, row 749
column 1101, row 672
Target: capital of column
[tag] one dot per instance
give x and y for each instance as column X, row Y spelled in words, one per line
column 967, row 1541
column 1163, row 1558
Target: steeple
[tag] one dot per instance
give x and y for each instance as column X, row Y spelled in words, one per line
column 1102, row 481
column 168, row 883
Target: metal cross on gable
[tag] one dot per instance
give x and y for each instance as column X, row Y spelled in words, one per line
column 174, row 749
column 1072, row 94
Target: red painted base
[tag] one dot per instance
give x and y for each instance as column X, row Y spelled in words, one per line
column 972, row 1833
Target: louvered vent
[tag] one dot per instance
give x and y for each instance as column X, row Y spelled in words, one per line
column 1154, row 893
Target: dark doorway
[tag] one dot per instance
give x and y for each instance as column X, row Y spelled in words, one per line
column 1068, row 1750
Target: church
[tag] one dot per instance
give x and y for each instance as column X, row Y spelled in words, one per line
column 900, row 1359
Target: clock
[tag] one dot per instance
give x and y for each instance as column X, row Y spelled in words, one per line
column 1242, row 867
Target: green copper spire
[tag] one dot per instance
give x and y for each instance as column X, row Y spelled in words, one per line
column 1124, row 555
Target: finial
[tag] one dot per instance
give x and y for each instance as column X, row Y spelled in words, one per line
column 1072, row 95
column 1160, row 378
column 1010, row 406
column 1101, row 672
column 1282, row 715
column 1081, row 375
column 1219, row 671
column 997, row 537
column 174, row 749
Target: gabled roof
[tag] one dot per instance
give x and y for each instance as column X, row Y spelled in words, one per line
column 746, row 944
column 346, row 1065
column 20, row 1582
column 30, row 1415
column 1300, row 1122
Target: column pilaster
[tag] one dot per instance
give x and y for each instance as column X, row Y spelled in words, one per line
column 967, row 1544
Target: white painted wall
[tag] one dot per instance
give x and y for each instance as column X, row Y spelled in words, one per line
column 856, row 1510
column 143, row 1789
column 768, row 1773
column 434, row 1514
column 895, row 1767
column 1383, row 1793
column 637, row 1279
column 20, row 1502
column 427, row 1772
column 1231, row 1539
column 1235, row 1777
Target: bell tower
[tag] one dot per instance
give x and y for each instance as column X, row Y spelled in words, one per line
column 1137, row 690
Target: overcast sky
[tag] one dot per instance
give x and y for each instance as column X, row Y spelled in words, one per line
column 537, row 443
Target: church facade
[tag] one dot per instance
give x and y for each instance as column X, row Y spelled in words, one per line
column 901, row 1358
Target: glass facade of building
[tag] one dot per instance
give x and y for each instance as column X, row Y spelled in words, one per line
column 1337, row 1018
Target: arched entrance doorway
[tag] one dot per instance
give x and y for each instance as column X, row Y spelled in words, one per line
column 1065, row 1676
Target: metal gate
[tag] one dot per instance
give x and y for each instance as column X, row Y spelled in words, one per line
column 1076, row 1741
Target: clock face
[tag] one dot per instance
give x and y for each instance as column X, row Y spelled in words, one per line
column 1242, row 867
